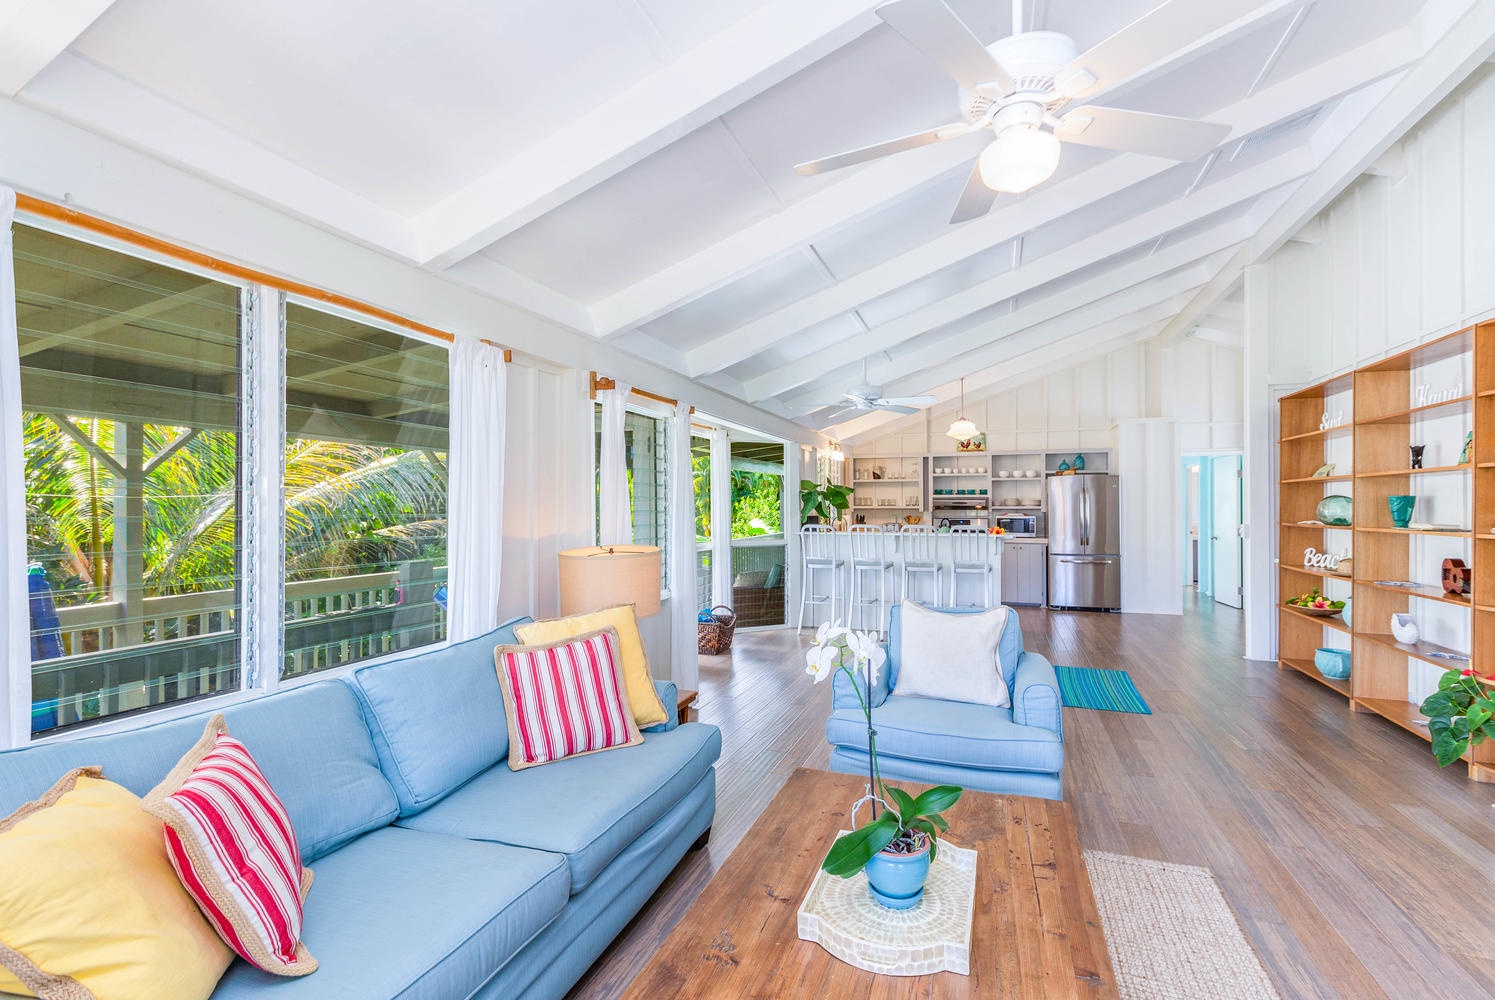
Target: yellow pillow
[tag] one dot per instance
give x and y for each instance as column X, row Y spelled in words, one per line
column 648, row 710
column 90, row 907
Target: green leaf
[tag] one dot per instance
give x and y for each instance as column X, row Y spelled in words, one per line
column 850, row 854
column 1447, row 748
column 936, row 800
column 939, row 821
column 902, row 801
column 1439, row 706
column 1476, row 717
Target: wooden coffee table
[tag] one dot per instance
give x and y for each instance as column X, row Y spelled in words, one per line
column 1036, row 932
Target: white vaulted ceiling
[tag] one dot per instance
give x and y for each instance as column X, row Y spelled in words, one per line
column 625, row 167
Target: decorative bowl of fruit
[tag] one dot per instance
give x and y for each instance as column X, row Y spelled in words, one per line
column 1315, row 603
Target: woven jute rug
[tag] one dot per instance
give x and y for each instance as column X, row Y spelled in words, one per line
column 1171, row 934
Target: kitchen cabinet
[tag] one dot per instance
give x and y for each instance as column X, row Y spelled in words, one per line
column 1024, row 571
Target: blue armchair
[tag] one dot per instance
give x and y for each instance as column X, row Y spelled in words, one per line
column 1009, row 751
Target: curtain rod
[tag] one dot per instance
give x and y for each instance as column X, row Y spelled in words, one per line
column 60, row 213
column 601, row 383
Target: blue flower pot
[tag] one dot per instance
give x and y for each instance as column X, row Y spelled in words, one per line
column 1401, row 509
column 1332, row 663
column 897, row 880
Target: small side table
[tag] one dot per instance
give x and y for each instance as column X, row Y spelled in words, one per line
column 683, row 706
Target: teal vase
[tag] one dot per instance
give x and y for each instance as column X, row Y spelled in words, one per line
column 1335, row 510
column 1063, row 466
column 897, row 880
column 1079, row 465
column 1401, row 510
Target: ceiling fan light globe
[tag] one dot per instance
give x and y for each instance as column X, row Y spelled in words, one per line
column 1019, row 159
column 962, row 430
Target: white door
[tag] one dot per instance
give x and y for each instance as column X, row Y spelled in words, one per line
column 1225, row 523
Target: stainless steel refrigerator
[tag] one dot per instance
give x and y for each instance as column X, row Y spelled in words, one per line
column 1084, row 542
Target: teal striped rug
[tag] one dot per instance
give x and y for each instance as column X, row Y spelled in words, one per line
column 1103, row 690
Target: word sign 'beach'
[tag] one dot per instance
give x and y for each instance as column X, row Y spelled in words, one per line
column 1314, row 559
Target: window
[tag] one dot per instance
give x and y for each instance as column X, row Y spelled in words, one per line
column 644, row 441
column 365, row 491
column 129, row 375
column 700, row 467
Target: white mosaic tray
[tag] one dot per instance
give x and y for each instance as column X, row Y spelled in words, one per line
column 933, row 935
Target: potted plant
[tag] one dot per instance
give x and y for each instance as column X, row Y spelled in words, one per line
column 822, row 504
column 896, row 847
column 1461, row 712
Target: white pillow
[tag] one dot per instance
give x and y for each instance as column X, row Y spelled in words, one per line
column 951, row 657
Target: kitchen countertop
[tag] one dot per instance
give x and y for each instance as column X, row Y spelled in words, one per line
column 1026, row 539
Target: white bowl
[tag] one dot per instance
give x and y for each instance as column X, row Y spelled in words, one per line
column 1031, row 473
column 1003, row 473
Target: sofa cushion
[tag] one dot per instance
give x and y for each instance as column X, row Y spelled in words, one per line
column 648, row 710
column 437, row 718
column 1009, row 646
column 310, row 742
column 91, row 903
column 587, row 808
column 951, row 657
column 400, row 913
column 231, row 842
column 949, row 732
column 565, row 698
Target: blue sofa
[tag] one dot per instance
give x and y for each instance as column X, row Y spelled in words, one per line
column 440, row 873
column 1008, row 751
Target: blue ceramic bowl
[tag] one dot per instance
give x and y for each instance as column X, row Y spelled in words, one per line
column 1332, row 663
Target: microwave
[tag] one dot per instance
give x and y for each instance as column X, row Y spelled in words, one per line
column 1018, row 524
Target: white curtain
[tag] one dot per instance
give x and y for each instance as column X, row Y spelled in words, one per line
column 475, row 487
column 15, row 623
column 616, row 520
column 682, row 553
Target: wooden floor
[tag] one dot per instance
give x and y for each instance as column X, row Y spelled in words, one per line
column 1358, row 869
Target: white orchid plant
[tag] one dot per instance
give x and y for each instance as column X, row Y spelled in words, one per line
column 906, row 823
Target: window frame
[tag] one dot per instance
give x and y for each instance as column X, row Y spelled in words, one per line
column 261, row 569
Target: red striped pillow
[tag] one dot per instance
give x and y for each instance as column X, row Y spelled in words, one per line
column 565, row 698
column 231, row 843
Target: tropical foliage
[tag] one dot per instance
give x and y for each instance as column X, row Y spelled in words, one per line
column 350, row 508
column 757, row 503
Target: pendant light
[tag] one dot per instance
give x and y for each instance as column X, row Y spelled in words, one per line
column 962, row 429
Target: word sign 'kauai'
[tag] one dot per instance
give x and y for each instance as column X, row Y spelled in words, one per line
column 1328, row 421
column 1426, row 395
column 1314, row 559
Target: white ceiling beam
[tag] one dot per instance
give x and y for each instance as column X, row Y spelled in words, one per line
column 1156, row 301
column 1014, row 368
column 1123, row 236
column 766, row 47
column 488, row 277
column 1278, row 103
column 1466, row 42
column 35, row 32
column 862, row 191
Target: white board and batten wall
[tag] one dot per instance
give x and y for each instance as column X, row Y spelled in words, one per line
column 1405, row 255
column 1144, row 404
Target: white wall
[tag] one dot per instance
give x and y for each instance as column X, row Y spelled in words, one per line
column 1405, row 255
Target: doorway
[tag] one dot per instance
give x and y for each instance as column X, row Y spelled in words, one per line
column 1214, row 508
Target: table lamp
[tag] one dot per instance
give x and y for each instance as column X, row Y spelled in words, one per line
column 604, row 576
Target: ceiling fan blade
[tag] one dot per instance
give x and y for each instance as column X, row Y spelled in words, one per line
column 975, row 201
column 935, row 31
column 878, row 149
column 907, row 401
column 1139, row 132
column 1164, row 29
column 893, row 408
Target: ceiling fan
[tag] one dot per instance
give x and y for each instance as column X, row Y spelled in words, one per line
column 1018, row 85
column 867, row 397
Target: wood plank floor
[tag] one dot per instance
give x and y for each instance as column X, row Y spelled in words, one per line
column 1358, row 869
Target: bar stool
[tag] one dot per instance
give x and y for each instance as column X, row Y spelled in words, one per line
column 970, row 553
column 869, row 554
column 817, row 547
column 920, row 543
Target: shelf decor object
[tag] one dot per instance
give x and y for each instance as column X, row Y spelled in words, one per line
column 1335, row 510
column 1332, row 663
column 1401, row 509
column 1455, row 578
column 1404, row 629
column 1324, row 471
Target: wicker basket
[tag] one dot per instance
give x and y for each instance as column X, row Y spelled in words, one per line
column 715, row 637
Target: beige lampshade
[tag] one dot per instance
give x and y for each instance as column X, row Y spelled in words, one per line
column 604, row 576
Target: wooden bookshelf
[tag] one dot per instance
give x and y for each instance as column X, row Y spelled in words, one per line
column 1388, row 416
